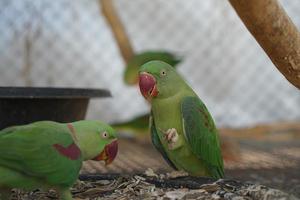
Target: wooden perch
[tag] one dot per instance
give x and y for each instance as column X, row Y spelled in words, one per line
column 275, row 32
column 117, row 28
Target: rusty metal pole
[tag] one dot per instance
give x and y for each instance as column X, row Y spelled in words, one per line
column 275, row 32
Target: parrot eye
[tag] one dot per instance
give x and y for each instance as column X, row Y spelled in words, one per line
column 163, row 73
column 104, row 135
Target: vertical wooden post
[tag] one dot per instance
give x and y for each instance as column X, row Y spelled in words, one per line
column 117, row 28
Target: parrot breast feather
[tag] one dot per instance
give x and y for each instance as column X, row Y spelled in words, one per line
column 30, row 149
column 157, row 143
column 201, row 135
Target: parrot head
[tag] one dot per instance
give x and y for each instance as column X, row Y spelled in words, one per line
column 158, row 79
column 96, row 140
column 131, row 71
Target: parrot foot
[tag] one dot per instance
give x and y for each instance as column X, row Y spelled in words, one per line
column 171, row 136
column 65, row 194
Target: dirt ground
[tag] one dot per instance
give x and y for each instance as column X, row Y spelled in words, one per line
column 268, row 155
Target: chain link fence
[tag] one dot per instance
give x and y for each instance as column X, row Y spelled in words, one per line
column 68, row 43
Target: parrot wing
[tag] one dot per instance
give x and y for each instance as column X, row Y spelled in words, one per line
column 42, row 152
column 201, row 134
column 157, row 144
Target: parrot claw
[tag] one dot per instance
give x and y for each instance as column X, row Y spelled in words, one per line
column 171, row 136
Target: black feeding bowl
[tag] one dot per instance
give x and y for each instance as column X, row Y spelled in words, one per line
column 22, row 105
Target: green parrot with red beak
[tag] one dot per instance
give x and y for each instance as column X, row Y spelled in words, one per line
column 182, row 129
column 48, row 154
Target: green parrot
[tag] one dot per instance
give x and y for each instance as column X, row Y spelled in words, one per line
column 134, row 64
column 48, row 154
column 182, row 129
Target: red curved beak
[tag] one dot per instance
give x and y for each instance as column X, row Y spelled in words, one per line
column 109, row 153
column 147, row 85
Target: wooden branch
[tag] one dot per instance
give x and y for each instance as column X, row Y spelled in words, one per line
column 275, row 32
column 117, row 28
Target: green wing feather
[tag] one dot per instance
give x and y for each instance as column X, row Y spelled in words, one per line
column 29, row 149
column 201, row 134
column 157, row 144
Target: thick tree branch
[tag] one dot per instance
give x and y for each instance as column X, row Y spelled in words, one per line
column 117, row 28
column 275, row 32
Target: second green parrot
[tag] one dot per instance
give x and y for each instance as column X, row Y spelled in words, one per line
column 48, row 154
column 139, row 125
column 182, row 129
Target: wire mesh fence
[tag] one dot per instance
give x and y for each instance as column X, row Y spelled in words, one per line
column 69, row 43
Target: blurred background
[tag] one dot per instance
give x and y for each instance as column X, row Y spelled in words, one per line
column 68, row 43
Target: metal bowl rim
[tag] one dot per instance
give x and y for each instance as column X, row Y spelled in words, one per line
column 52, row 92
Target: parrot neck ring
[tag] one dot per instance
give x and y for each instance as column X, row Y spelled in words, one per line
column 73, row 133
column 147, row 84
column 109, row 153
